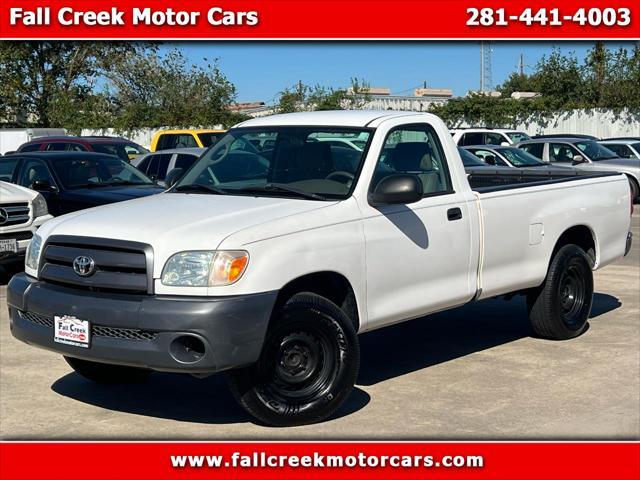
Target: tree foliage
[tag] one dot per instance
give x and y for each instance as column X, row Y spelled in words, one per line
column 301, row 97
column 127, row 86
column 604, row 79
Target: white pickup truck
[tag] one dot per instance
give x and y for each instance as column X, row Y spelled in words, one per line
column 267, row 263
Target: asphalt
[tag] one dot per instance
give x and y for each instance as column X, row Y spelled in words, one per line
column 470, row 373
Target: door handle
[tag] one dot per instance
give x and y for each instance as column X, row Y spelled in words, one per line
column 454, row 214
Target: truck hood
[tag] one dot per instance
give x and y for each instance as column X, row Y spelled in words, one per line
column 174, row 222
column 105, row 195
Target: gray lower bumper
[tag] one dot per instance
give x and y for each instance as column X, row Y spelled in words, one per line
column 232, row 329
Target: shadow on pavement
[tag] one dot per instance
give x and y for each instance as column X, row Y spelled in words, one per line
column 175, row 396
column 386, row 353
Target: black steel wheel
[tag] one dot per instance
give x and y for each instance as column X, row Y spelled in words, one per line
column 307, row 368
column 560, row 307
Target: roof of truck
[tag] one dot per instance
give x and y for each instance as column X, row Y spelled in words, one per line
column 345, row 118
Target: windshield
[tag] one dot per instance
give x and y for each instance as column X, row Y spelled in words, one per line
column 290, row 162
column 125, row 151
column 469, row 159
column 210, row 138
column 518, row 136
column 95, row 172
column 594, row 151
column 520, row 158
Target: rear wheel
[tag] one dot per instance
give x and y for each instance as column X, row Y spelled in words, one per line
column 307, row 368
column 560, row 307
column 107, row 373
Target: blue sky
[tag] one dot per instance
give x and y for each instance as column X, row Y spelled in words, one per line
column 261, row 70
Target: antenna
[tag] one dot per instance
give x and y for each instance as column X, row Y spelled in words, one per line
column 486, row 80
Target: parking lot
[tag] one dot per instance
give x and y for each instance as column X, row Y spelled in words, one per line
column 470, row 373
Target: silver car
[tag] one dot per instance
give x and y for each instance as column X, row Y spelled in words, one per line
column 156, row 165
column 584, row 154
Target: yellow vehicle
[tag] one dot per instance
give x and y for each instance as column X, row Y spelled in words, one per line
column 200, row 138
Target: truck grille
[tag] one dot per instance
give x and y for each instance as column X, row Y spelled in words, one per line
column 96, row 330
column 14, row 214
column 117, row 265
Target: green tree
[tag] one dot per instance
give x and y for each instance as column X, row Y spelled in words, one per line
column 47, row 83
column 301, row 97
column 164, row 90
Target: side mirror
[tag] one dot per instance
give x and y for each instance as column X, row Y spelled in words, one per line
column 397, row 189
column 490, row 159
column 173, row 176
column 42, row 186
column 578, row 159
column 505, row 144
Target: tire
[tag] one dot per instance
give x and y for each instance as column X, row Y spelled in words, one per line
column 107, row 373
column 559, row 309
column 308, row 365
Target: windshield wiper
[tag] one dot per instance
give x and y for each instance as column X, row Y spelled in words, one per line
column 277, row 187
column 199, row 187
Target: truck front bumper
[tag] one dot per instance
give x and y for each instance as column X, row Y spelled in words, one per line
column 174, row 334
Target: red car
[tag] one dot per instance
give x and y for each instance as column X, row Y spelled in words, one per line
column 120, row 147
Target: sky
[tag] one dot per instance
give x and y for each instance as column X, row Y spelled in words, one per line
column 261, row 70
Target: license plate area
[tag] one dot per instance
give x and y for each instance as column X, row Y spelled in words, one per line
column 9, row 245
column 71, row 330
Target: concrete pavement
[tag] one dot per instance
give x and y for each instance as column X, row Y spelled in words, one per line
column 470, row 373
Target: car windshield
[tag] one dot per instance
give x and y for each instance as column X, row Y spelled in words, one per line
column 520, row 158
column 125, row 151
column 96, row 172
column 595, row 151
column 210, row 138
column 518, row 136
column 469, row 159
column 292, row 163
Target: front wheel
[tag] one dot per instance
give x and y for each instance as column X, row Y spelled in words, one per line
column 560, row 307
column 307, row 368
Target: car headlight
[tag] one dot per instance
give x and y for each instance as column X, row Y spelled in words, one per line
column 32, row 257
column 39, row 206
column 205, row 268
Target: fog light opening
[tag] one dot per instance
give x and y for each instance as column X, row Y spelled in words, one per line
column 187, row 349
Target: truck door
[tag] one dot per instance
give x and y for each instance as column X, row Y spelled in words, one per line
column 418, row 255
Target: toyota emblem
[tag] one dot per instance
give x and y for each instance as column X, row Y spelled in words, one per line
column 84, row 266
column 4, row 216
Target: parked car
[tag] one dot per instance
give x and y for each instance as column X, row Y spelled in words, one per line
column 71, row 181
column 198, row 138
column 120, row 147
column 353, row 143
column 156, row 165
column 623, row 147
column 584, row 154
column 505, row 156
column 12, row 138
column 22, row 212
column 487, row 136
column 267, row 266
column 564, row 135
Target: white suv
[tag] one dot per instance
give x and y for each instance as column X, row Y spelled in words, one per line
column 22, row 211
column 487, row 136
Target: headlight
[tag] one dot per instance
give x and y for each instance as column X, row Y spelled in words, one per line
column 39, row 206
column 205, row 268
column 32, row 257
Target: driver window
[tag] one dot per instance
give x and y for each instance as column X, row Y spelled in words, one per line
column 415, row 150
column 560, row 152
column 35, row 171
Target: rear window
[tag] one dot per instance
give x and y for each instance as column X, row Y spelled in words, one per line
column 472, row 138
column 170, row 141
column 34, row 147
column 210, row 138
column 534, row 149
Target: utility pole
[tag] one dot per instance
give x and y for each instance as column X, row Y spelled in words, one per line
column 521, row 65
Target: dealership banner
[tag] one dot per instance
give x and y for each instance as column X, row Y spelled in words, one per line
column 320, row 19
column 331, row 461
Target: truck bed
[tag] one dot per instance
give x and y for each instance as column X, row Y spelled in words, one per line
column 485, row 180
